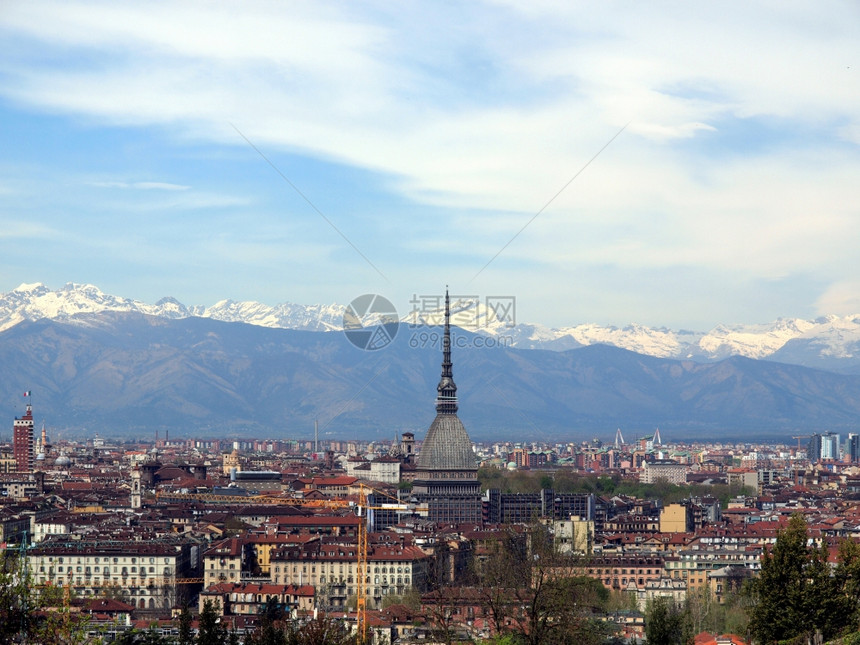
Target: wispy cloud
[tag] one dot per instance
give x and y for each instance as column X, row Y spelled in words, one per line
column 24, row 230
column 139, row 185
column 477, row 113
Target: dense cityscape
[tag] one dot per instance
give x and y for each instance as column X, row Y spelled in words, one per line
column 385, row 323
column 410, row 540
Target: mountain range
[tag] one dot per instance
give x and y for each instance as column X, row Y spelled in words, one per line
column 830, row 342
column 131, row 374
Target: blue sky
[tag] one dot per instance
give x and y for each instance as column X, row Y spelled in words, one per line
column 429, row 134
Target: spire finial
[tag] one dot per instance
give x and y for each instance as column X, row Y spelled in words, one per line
column 446, row 392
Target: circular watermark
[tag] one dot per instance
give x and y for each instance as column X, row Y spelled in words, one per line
column 370, row 322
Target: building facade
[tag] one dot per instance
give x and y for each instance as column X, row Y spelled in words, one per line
column 667, row 469
column 332, row 570
column 148, row 573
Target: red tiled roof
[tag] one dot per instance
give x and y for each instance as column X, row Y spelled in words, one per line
column 87, row 486
column 107, row 605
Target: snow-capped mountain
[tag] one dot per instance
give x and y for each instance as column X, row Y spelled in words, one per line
column 286, row 315
column 830, row 342
column 836, row 337
column 36, row 301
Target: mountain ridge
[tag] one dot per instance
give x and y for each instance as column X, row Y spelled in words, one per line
column 130, row 374
column 828, row 342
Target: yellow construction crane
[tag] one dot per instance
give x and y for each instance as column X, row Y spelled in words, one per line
column 799, row 437
column 361, row 596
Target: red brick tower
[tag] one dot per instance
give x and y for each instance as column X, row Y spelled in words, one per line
column 22, row 440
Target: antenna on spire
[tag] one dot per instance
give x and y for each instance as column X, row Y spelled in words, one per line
column 446, row 397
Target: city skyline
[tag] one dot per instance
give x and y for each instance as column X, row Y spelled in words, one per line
column 678, row 166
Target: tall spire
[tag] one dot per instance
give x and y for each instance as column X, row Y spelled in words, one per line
column 446, row 392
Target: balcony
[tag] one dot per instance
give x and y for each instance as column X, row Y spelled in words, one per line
column 247, row 577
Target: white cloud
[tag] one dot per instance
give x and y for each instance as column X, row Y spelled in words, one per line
column 738, row 156
column 140, row 185
column 840, row 298
column 26, row 230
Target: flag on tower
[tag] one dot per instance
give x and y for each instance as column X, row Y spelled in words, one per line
column 27, row 393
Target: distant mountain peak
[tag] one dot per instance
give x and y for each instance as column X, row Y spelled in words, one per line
column 29, row 287
column 828, row 342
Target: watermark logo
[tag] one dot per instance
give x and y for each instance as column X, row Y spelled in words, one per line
column 433, row 339
column 370, row 322
column 467, row 311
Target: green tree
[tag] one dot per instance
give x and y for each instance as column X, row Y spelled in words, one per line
column 16, row 618
column 797, row 593
column 503, row 639
column 186, row 636
column 273, row 627
column 847, row 577
column 210, row 631
column 30, row 614
column 779, row 593
column 664, row 623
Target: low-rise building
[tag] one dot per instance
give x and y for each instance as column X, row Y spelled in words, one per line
column 148, row 573
column 249, row 599
column 673, row 590
column 668, row 469
column 225, row 560
column 625, row 572
column 332, row 568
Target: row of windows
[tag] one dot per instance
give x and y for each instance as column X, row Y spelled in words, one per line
column 331, row 569
column 106, row 560
column 80, row 569
column 376, row 580
column 623, row 572
column 613, row 582
column 92, row 592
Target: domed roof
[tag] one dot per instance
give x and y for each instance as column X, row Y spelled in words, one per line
column 447, row 446
column 63, row 460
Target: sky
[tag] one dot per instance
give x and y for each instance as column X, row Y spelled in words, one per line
column 668, row 164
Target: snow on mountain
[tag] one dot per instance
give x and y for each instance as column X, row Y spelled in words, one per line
column 818, row 342
column 841, row 335
column 285, row 315
column 35, row 301
column 662, row 342
column 753, row 341
column 830, row 336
